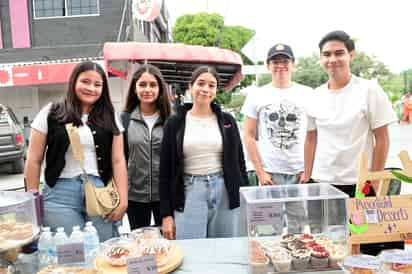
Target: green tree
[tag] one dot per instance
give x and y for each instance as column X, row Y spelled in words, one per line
column 369, row 67
column 309, row 72
column 198, row 29
column 209, row 30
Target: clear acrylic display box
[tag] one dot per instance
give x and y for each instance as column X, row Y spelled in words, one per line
column 18, row 219
column 295, row 228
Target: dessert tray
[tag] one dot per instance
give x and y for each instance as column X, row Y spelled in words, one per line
column 14, row 235
column 143, row 242
column 294, row 253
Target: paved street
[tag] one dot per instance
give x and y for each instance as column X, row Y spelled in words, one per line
column 401, row 138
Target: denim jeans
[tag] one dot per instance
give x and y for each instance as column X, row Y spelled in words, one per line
column 206, row 213
column 64, row 206
column 294, row 215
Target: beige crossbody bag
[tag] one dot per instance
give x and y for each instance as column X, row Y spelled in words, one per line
column 100, row 201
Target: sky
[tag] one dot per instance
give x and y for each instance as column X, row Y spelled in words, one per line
column 382, row 28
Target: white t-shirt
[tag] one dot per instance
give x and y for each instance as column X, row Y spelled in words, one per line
column 282, row 123
column 150, row 120
column 202, row 146
column 344, row 120
column 72, row 166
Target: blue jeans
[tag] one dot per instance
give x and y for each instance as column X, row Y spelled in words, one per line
column 294, row 213
column 64, row 205
column 206, row 213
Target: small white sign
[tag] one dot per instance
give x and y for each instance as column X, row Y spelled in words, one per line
column 371, row 216
column 265, row 214
column 70, row 253
column 142, row 265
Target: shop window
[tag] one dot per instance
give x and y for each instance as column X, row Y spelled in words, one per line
column 57, row 8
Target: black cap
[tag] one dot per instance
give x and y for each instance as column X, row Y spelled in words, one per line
column 280, row 49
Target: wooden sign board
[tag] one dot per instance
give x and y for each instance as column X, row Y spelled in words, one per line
column 389, row 218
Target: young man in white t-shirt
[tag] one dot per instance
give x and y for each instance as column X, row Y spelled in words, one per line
column 275, row 128
column 351, row 116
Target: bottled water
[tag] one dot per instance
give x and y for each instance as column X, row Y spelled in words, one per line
column 46, row 248
column 60, row 238
column 78, row 238
column 91, row 242
column 77, row 235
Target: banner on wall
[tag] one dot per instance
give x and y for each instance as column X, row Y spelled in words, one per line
column 146, row 10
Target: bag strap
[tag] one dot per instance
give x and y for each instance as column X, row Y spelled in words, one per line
column 75, row 143
column 77, row 148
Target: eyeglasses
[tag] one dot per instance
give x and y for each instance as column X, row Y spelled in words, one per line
column 279, row 62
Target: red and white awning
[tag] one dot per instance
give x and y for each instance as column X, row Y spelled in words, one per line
column 175, row 61
column 38, row 73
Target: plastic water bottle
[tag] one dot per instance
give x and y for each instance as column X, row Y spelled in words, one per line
column 77, row 235
column 91, row 242
column 78, row 238
column 60, row 238
column 46, row 248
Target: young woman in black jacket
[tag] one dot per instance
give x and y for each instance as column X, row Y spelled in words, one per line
column 201, row 166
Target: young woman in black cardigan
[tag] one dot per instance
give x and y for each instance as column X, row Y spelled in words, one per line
column 201, row 166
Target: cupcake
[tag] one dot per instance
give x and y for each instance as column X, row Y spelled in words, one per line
column 337, row 254
column 286, row 239
column 305, row 238
column 258, row 262
column 296, row 244
column 301, row 258
column 282, row 262
column 319, row 257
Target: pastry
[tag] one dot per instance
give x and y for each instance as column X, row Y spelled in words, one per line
column 16, row 231
column 301, row 258
column 160, row 248
column 117, row 255
column 258, row 262
column 286, row 239
column 337, row 254
column 319, row 257
column 281, row 262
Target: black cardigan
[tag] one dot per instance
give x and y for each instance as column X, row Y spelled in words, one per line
column 172, row 196
column 58, row 143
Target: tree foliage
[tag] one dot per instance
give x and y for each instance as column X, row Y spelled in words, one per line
column 309, row 72
column 207, row 29
column 369, row 67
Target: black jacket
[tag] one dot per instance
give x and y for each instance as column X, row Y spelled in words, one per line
column 172, row 195
column 58, row 142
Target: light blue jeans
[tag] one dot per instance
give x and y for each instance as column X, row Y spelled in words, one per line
column 64, row 205
column 294, row 215
column 206, row 213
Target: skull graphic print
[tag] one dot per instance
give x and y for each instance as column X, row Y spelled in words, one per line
column 281, row 123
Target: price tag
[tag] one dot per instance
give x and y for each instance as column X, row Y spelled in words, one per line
column 265, row 214
column 70, row 253
column 371, row 216
column 362, row 261
column 142, row 265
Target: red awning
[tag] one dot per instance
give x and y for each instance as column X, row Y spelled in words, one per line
column 176, row 61
column 31, row 74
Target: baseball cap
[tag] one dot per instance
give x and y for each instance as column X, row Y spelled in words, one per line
column 280, row 49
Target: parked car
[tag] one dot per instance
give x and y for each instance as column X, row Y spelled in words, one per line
column 12, row 142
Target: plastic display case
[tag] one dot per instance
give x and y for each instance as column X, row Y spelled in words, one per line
column 295, row 228
column 18, row 219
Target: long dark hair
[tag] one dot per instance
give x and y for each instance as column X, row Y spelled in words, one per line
column 70, row 110
column 162, row 101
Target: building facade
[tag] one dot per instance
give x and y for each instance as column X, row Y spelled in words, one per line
column 42, row 40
